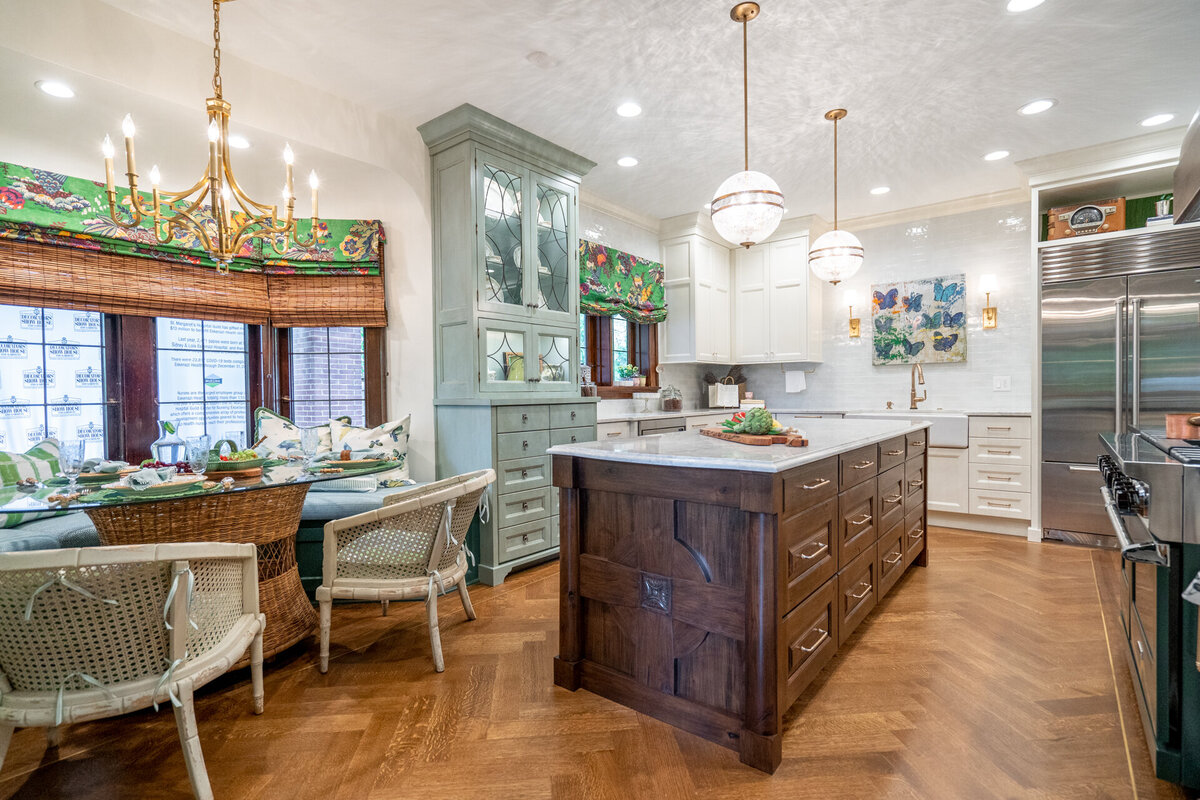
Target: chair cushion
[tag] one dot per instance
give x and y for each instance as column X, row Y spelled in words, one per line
column 390, row 437
column 39, row 462
column 325, row 506
column 73, row 529
column 281, row 436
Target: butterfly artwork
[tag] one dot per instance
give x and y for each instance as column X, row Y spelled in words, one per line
column 919, row 321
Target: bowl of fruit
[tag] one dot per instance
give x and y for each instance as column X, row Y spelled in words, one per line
column 233, row 461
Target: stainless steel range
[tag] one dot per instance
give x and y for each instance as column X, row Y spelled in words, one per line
column 1151, row 495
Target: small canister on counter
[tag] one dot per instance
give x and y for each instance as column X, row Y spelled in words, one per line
column 671, row 399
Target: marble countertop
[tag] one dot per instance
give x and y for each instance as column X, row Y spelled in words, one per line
column 827, row 437
column 638, row 416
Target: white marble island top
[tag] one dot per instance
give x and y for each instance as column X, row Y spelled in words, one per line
column 826, row 437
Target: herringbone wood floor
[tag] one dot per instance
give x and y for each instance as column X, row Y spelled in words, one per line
column 985, row 675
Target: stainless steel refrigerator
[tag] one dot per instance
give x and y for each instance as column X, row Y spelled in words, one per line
column 1120, row 350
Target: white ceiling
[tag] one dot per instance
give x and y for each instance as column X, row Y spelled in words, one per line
column 931, row 85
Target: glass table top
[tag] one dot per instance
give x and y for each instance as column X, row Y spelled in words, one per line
column 21, row 500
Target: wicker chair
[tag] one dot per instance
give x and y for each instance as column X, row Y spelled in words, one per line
column 96, row 632
column 410, row 548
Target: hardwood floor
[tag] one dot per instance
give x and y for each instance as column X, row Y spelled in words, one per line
column 986, row 674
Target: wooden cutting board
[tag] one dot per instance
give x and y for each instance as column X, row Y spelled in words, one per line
column 236, row 474
column 789, row 439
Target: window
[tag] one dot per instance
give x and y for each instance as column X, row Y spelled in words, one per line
column 204, row 377
column 607, row 343
column 52, row 377
column 328, row 375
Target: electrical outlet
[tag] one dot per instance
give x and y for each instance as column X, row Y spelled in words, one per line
column 1001, row 383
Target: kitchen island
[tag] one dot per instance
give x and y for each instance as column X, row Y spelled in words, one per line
column 706, row 583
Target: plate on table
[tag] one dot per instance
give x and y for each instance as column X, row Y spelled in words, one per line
column 100, row 477
column 178, row 483
column 349, row 466
column 235, row 466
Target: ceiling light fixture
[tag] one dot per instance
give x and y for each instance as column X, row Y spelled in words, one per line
column 996, row 155
column 238, row 142
column 837, row 254
column 1157, row 119
column 627, row 161
column 1017, row 6
column 748, row 206
column 881, row 190
column 55, row 88
column 205, row 211
column 630, row 109
column 1037, row 106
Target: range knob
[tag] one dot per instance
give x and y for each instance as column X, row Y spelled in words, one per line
column 1123, row 494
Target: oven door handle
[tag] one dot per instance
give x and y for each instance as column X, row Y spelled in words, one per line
column 1145, row 552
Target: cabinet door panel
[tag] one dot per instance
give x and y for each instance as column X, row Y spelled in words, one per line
column 788, row 300
column 751, row 312
column 948, row 479
column 555, row 296
column 502, row 188
column 505, row 352
column 556, row 362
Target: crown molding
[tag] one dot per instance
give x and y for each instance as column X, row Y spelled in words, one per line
column 942, row 209
column 1147, row 151
column 608, row 208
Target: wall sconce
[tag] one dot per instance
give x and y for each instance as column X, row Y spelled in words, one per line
column 850, row 298
column 988, row 284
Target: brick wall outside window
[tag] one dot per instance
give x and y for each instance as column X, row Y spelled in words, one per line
column 328, row 375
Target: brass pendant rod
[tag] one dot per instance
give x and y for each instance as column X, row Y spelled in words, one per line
column 745, row 96
column 835, row 186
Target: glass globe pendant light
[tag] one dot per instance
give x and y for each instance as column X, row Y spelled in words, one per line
column 748, row 206
column 838, row 254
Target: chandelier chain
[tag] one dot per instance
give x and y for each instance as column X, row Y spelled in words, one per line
column 217, row 49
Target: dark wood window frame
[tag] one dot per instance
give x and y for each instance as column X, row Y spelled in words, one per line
column 598, row 354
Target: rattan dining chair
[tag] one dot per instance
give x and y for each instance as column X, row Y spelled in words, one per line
column 411, row 548
column 94, row 632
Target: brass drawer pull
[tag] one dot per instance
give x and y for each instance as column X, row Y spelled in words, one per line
column 895, row 452
column 916, row 533
column 999, row 452
column 999, row 427
column 893, row 499
column 866, row 590
column 810, row 486
column 614, row 433
column 896, row 557
column 821, row 548
column 865, row 518
column 989, row 476
column 822, row 635
column 862, row 465
column 524, row 473
column 998, row 505
column 917, row 484
column 917, row 443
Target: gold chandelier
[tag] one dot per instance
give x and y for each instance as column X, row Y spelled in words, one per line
column 220, row 217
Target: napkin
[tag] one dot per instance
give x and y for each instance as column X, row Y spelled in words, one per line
column 101, row 465
column 145, row 478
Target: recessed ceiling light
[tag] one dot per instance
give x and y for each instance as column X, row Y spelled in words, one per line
column 1157, row 119
column 1037, row 106
column 881, row 190
column 627, row 161
column 629, row 109
column 1017, row 6
column 996, row 155
column 238, row 141
column 55, row 88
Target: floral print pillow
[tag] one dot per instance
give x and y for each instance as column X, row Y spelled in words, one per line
column 281, row 437
column 389, row 439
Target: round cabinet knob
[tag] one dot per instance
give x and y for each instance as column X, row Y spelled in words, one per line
column 524, row 505
column 524, row 418
column 524, row 538
column 572, row 439
column 524, row 444
column 524, row 473
column 572, row 415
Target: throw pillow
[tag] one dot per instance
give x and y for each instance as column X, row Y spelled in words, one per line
column 39, row 462
column 281, row 436
column 390, row 438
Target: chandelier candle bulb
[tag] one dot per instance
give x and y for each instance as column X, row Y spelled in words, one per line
column 129, row 130
column 106, row 147
column 313, row 183
column 288, row 158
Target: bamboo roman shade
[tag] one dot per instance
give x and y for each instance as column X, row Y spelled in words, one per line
column 318, row 301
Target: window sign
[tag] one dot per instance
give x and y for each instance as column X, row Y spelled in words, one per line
column 203, row 377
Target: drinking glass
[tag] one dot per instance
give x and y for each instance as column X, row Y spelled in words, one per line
column 198, row 453
column 70, row 458
column 310, row 440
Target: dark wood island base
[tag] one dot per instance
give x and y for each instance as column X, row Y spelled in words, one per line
column 710, row 598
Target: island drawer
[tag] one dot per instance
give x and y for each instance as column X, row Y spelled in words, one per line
column 808, row 485
column 811, row 634
column 891, row 557
column 999, row 427
column 914, row 477
column 521, row 418
column 914, row 536
column 521, row 445
column 527, row 538
column 811, row 550
column 520, row 474
column 891, row 453
column 915, row 443
column 858, row 589
column 857, row 514
column 518, row 507
column 891, row 497
column 570, row 415
column 571, row 435
column 859, row 465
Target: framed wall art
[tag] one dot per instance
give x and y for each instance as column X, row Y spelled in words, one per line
column 921, row 321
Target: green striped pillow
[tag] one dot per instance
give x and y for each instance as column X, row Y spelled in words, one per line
column 39, row 462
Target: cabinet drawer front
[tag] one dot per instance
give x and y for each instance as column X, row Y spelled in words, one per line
column 571, row 435
column 521, row 418
column 809, row 485
column 914, row 477
column 991, row 477
column 1013, row 505
column 891, row 497
column 859, row 465
column 572, row 415
column 998, row 427
column 521, row 445
column 914, row 537
column 858, row 589
column 524, row 506
column 811, row 543
column 521, row 474
column 705, row 420
column 857, row 521
column 811, row 633
column 915, row 443
column 612, row 430
column 1014, row 452
column 528, row 538
column 914, row 503
column 891, row 453
column 890, row 551
column 1147, row 672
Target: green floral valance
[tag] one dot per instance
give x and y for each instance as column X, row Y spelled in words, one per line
column 46, row 207
column 613, row 283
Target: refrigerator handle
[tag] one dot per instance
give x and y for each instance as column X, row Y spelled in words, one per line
column 1135, row 356
column 1119, row 390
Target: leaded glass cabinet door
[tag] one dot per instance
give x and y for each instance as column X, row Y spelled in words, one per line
column 555, row 252
column 504, row 357
column 502, row 204
column 557, row 357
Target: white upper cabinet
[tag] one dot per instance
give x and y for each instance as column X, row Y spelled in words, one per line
column 777, row 306
column 697, row 293
column 752, row 335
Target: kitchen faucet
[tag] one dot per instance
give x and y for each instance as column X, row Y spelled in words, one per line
column 918, row 376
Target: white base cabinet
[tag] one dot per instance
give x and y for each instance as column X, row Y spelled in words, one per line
column 991, row 477
column 946, row 486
